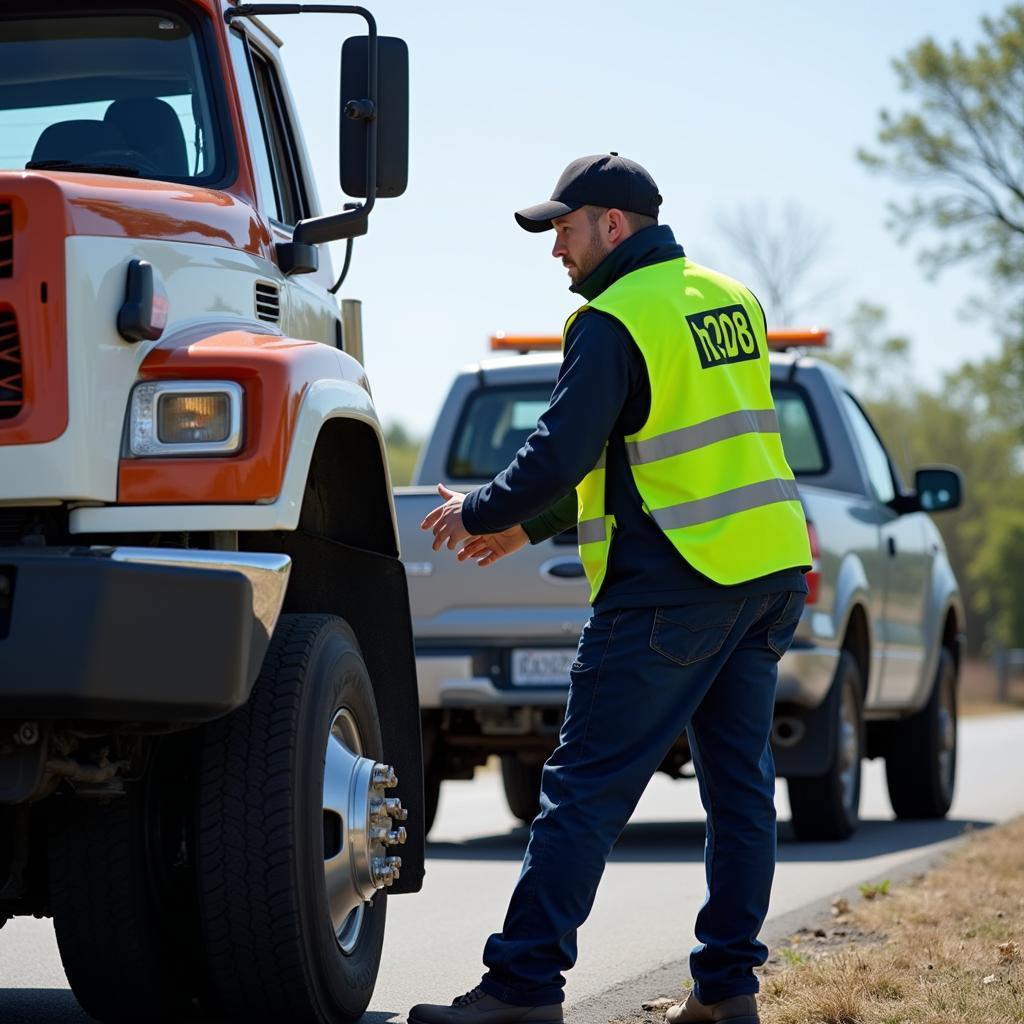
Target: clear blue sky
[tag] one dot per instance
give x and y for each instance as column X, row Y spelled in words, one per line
column 725, row 102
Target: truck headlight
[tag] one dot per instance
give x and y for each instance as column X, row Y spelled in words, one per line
column 185, row 417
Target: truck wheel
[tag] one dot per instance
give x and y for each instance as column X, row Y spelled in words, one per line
column 522, row 786
column 920, row 763
column 825, row 807
column 121, row 898
column 292, row 827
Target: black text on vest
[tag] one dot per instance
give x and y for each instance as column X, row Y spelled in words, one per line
column 722, row 336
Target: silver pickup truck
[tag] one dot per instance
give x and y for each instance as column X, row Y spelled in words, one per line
column 873, row 669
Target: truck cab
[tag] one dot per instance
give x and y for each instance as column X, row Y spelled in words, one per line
column 209, row 734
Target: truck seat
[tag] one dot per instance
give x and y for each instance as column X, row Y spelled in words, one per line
column 151, row 127
column 77, row 141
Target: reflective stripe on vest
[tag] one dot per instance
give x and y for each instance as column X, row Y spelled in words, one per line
column 708, row 462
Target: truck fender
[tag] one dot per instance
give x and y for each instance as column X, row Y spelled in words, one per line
column 851, row 594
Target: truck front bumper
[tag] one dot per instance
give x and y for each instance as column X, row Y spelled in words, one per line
column 133, row 635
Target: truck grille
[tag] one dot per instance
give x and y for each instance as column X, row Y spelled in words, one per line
column 11, row 385
column 6, row 240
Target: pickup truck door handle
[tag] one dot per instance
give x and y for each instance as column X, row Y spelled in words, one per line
column 562, row 570
column 892, row 547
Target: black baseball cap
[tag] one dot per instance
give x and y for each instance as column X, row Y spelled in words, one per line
column 607, row 180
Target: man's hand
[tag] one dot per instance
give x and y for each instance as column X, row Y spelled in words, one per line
column 487, row 548
column 446, row 520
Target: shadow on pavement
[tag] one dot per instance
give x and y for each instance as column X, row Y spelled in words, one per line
column 58, row 1006
column 683, row 841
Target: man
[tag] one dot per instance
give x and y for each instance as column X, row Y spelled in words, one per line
column 694, row 543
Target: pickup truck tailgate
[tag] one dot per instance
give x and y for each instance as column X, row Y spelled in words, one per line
column 538, row 594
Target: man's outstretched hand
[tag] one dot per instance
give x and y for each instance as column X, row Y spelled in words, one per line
column 446, row 520
column 487, row 548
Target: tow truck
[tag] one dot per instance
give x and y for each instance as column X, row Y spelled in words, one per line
column 210, row 757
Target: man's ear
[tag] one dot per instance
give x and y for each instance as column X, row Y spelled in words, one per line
column 617, row 227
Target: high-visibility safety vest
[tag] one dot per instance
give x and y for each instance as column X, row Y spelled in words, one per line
column 708, row 462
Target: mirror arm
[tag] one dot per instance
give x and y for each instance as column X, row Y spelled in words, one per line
column 354, row 221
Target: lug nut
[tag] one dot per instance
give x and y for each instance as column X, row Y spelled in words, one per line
column 397, row 837
column 379, row 835
column 384, row 775
column 385, row 870
column 395, row 809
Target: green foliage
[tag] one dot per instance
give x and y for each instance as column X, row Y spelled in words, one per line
column 963, row 147
column 403, row 451
column 872, row 890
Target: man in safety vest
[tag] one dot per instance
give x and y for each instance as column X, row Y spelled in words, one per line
column 694, row 542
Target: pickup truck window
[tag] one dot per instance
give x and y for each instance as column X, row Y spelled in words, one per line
column 495, row 422
column 875, row 457
column 801, row 439
column 132, row 96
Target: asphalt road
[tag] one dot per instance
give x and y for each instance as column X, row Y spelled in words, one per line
column 643, row 917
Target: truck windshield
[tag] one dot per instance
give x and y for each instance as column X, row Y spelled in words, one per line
column 120, row 93
column 497, row 420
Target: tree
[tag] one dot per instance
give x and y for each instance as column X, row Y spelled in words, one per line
column 964, row 144
column 783, row 253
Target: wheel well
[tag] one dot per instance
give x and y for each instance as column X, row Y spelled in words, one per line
column 346, row 497
column 856, row 641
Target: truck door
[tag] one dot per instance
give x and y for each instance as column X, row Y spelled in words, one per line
column 908, row 562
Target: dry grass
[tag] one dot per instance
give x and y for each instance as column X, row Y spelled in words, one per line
column 946, row 949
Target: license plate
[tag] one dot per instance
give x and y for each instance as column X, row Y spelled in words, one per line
column 543, row 666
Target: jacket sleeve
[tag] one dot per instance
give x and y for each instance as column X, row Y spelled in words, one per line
column 593, row 384
column 553, row 521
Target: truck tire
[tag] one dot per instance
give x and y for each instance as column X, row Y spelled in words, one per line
column 521, row 780
column 920, row 761
column 271, row 776
column 825, row 807
column 125, row 931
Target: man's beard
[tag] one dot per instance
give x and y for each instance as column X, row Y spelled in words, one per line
column 594, row 253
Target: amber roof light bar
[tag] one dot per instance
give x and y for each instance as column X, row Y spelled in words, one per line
column 502, row 342
column 781, row 338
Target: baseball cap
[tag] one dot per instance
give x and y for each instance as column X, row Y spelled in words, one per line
column 607, row 180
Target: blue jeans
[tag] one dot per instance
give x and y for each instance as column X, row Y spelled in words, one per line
column 641, row 677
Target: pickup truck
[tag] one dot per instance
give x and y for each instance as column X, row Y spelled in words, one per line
column 873, row 669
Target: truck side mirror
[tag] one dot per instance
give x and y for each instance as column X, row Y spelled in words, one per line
column 391, row 116
column 938, row 488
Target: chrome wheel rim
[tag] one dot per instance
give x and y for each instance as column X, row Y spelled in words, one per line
column 849, row 747
column 341, row 770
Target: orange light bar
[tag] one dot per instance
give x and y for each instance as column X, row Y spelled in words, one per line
column 798, row 337
column 502, row 342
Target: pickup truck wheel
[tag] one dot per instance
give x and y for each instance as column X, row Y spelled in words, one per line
column 920, row 763
column 825, row 807
column 522, row 786
column 292, row 833
column 120, row 894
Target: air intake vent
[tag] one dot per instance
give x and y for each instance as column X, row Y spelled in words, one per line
column 11, row 389
column 6, row 240
column 268, row 302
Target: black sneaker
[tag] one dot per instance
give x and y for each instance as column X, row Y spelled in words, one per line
column 477, row 1007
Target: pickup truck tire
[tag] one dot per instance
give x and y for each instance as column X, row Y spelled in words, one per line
column 825, row 807
column 125, row 944
column 521, row 780
column 271, row 947
column 920, row 761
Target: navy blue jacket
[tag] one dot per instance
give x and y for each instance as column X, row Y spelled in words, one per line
column 602, row 394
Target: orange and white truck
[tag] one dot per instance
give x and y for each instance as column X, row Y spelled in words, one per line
column 210, row 758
